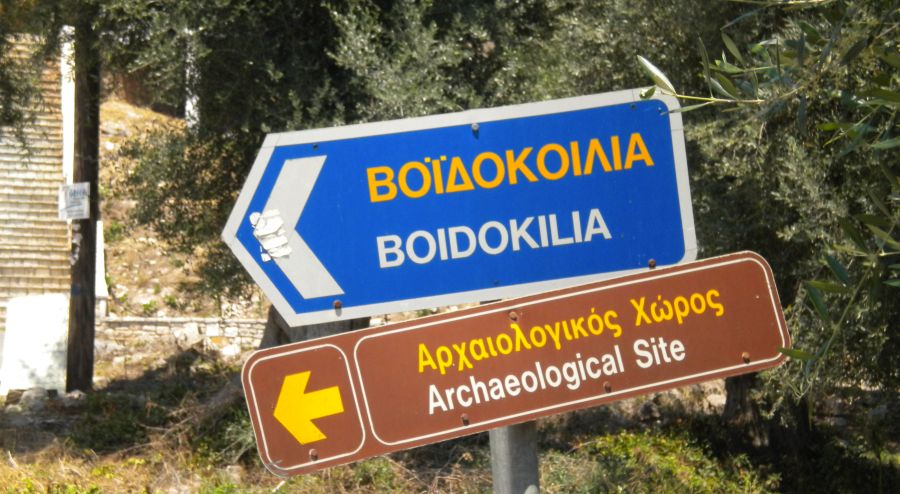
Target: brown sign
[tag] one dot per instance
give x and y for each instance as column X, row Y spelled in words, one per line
column 339, row 399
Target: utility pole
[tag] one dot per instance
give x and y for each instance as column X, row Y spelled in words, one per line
column 80, row 354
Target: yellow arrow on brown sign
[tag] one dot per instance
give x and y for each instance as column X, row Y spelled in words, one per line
column 296, row 409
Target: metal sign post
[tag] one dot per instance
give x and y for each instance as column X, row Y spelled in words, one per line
column 514, row 459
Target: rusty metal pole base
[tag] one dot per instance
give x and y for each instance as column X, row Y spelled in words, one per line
column 514, row 459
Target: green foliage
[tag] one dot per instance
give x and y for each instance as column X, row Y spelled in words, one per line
column 853, row 455
column 227, row 441
column 649, row 462
column 185, row 193
column 149, row 308
column 19, row 72
column 255, row 69
column 17, row 92
column 806, row 169
column 284, row 66
column 590, row 47
column 402, row 67
column 225, row 488
column 114, row 232
column 375, row 473
column 858, row 299
column 112, row 421
column 59, row 489
column 171, row 301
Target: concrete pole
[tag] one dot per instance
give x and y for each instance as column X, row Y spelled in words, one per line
column 514, row 459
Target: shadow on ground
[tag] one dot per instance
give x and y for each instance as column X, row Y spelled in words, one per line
column 123, row 415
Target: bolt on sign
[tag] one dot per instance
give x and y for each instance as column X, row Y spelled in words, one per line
column 347, row 397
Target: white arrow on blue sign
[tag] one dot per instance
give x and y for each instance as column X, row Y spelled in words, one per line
column 485, row 204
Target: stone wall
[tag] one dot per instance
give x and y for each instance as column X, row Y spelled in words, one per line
column 229, row 337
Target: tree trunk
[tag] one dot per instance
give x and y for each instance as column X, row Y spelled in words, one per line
column 80, row 351
column 741, row 411
column 278, row 332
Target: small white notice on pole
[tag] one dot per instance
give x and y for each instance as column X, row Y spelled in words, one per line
column 75, row 201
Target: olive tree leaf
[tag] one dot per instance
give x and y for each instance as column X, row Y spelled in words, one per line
column 885, row 236
column 705, row 58
column 732, row 47
column 657, row 75
column 717, row 86
column 827, row 286
column 838, row 269
column 887, row 144
column 818, row 302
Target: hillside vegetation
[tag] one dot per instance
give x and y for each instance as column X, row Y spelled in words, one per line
column 145, row 275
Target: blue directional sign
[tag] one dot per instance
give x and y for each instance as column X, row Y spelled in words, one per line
column 402, row 215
